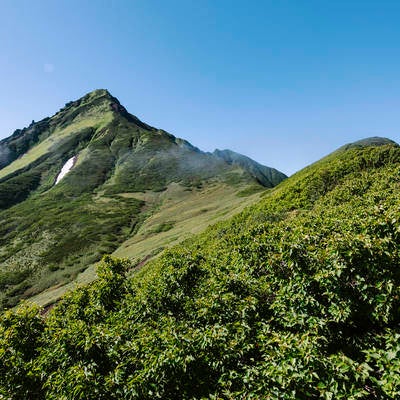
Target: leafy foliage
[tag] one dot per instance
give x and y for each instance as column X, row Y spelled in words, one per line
column 20, row 340
column 297, row 297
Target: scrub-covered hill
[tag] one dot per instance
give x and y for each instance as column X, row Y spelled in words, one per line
column 94, row 179
column 297, row 297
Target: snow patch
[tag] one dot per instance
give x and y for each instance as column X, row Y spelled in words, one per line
column 66, row 168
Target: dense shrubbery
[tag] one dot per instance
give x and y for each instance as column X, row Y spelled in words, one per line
column 68, row 233
column 295, row 298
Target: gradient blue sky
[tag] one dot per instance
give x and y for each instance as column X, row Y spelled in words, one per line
column 284, row 82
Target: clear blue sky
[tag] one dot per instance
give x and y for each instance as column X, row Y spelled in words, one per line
column 284, row 82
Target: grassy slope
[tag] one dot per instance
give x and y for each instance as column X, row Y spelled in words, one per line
column 173, row 216
column 297, row 297
column 183, row 213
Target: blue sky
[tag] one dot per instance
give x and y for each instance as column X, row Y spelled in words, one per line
column 284, row 82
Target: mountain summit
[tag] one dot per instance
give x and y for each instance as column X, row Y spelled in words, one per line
column 113, row 149
column 97, row 177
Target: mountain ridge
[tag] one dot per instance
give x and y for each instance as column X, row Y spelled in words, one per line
column 268, row 177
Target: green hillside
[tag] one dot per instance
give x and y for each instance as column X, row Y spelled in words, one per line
column 296, row 297
column 268, row 177
column 125, row 175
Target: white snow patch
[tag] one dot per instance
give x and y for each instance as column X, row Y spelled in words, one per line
column 66, row 168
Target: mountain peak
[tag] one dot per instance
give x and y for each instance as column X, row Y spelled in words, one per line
column 99, row 92
column 108, row 102
column 96, row 93
column 93, row 96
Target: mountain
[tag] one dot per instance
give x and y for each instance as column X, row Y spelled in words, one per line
column 295, row 297
column 266, row 176
column 94, row 179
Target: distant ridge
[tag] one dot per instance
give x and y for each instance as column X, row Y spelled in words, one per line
column 268, row 177
column 370, row 141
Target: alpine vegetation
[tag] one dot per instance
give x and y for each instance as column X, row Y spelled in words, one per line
column 296, row 297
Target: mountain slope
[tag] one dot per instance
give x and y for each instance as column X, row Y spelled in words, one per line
column 268, row 177
column 297, row 297
column 50, row 230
